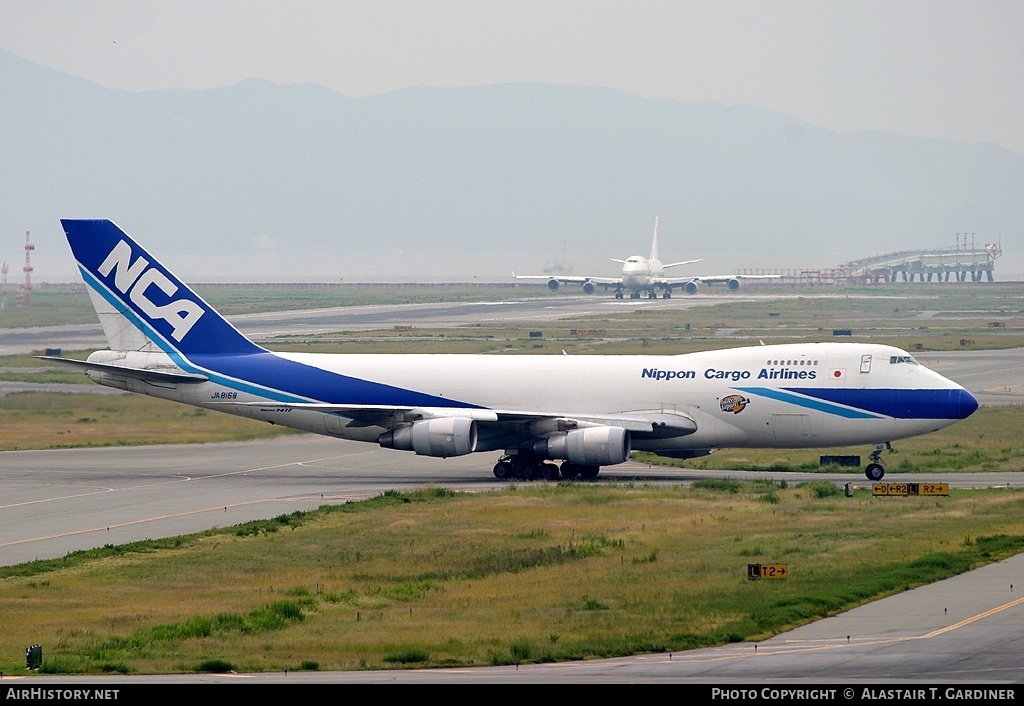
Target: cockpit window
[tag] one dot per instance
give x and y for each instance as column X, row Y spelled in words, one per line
column 903, row 359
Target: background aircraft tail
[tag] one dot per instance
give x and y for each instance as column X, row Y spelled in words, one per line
column 654, row 241
column 141, row 304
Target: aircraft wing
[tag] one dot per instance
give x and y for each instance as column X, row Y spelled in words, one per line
column 722, row 279
column 564, row 279
column 644, row 424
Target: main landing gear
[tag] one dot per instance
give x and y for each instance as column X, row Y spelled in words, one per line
column 526, row 467
column 876, row 470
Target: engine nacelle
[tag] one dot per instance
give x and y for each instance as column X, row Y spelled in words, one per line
column 591, row 446
column 690, row 287
column 443, row 437
column 733, row 284
column 588, row 287
column 553, row 285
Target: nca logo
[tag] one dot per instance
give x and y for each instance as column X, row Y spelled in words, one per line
column 135, row 278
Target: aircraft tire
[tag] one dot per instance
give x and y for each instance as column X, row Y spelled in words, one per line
column 549, row 471
column 503, row 470
column 589, row 472
column 874, row 472
column 570, row 470
column 526, row 471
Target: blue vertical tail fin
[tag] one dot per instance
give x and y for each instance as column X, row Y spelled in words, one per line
column 141, row 304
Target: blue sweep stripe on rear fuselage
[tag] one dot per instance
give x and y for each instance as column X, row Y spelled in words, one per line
column 319, row 384
column 267, row 375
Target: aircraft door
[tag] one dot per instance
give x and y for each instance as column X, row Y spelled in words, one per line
column 865, row 363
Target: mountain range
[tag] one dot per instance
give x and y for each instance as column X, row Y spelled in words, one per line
column 266, row 181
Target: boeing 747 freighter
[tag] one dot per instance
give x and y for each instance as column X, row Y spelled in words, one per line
column 546, row 416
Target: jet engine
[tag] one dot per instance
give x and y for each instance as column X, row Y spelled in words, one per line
column 690, row 287
column 553, row 285
column 733, row 284
column 588, row 287
column 445, row 436
column 591, row 446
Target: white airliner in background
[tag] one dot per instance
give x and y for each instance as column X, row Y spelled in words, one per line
column 585, row 411
column 645, row 274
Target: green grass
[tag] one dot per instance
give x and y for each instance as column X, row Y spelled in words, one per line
column 436, row 578
column 48, row 420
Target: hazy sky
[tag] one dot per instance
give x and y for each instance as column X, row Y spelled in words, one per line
column 951, row 69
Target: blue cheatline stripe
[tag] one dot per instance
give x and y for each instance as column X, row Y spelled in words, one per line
column 809, row 403
column 943, row 403
column 868, row 403
column 294, row 383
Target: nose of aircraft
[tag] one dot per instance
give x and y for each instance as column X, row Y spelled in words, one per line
column 966, row 403
column 953, row 403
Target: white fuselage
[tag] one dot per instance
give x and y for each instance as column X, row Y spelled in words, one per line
column 766, row 396
column 639, row 272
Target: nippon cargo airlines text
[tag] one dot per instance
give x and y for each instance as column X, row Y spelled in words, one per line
column 931, row 693
column 41, row 694
column 734, row 375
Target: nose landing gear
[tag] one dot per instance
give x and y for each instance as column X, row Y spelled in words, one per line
column 875, row 470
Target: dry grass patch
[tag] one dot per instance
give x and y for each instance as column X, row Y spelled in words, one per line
column 45, row 420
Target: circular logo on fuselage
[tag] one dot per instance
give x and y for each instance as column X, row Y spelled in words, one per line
column 734, row 403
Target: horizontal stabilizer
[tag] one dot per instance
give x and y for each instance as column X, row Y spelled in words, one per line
column 137, row 373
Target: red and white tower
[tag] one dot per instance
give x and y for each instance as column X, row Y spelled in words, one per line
column 26, row 294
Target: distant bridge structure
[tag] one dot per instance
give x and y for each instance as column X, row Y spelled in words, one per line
column 963, row 263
